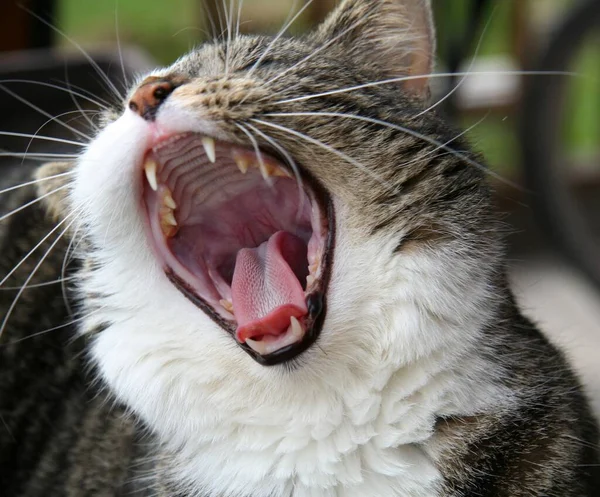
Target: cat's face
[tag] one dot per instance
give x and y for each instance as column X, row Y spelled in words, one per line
column 262, row 256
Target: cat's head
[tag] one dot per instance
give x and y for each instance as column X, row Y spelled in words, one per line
column 273, row 226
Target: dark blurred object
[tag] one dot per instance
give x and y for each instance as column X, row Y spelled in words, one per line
column 58, row 109
column 557, row 199
column 19, row 30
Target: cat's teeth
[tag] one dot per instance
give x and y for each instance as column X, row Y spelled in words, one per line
column 168, row 200
column 310, row 279
column 294, row 334
column 257, row 346
column 227, row 305
column 150, row 169
column 264, row 170
column 169, row 231
column 169, row 218
column 296, row 328
column 209, row 147
column 242, row 163
column 168, row 223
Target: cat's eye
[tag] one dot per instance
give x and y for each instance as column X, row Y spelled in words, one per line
column 267, row 61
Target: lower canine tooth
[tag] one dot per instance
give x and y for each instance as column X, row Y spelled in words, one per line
column 150, row 169
column 209, row 147
column 310, row 279
column 296, row 327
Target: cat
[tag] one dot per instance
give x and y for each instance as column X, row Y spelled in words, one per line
column 284, row 278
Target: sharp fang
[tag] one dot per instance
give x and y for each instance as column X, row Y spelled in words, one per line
column 227, row 305
column 257, row 346
column 169, row 218
column 150, row 170
column 264, row 170
column 310, row 279
column 242, row 164
column 168, row 200
column 209, row 148
column 296, row 327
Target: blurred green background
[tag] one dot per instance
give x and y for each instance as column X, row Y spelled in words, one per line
column 168, row 29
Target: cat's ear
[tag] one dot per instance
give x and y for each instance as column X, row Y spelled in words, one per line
column 394, row 37
column 52, row 177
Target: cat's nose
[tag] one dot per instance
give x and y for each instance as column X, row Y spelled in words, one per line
column 149, row 96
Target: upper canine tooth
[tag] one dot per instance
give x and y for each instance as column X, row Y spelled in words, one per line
column 242, row 164
column 209, row 148
column 310, row 279
column 265, row 170
column 168, row 200
column 296, row 327
column 150, row 170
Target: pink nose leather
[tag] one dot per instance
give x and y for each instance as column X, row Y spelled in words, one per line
column 149, row 96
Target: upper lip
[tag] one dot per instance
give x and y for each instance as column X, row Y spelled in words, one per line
column 164, row 166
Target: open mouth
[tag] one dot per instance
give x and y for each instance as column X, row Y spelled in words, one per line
column 243, row 238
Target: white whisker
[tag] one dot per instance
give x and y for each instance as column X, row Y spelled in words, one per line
column 31, row 275
column 277, row 36
column 125, row 82
column 255, row 146
column 436, row 75
column 54, row 328
column 28, row 204
column 96, row 101
column 316, row 52
column 12, row 271
column 74, row 100
column 38, row 155
column 402, row 129
column 464, row 77
column 92, row 62
column 289, row 160
column 36, row 181
column 43, row 112
column 329, row 148
column 39, row 137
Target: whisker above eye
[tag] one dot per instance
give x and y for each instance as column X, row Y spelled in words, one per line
column 315, row 52
column 281, row 32
column 402, row 129
column 434, row 75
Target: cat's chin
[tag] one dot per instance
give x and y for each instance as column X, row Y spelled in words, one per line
column 246, row 238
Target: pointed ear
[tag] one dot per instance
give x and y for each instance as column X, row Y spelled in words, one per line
column 394, row 37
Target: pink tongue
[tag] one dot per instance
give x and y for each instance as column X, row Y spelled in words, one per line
column 265, row 290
